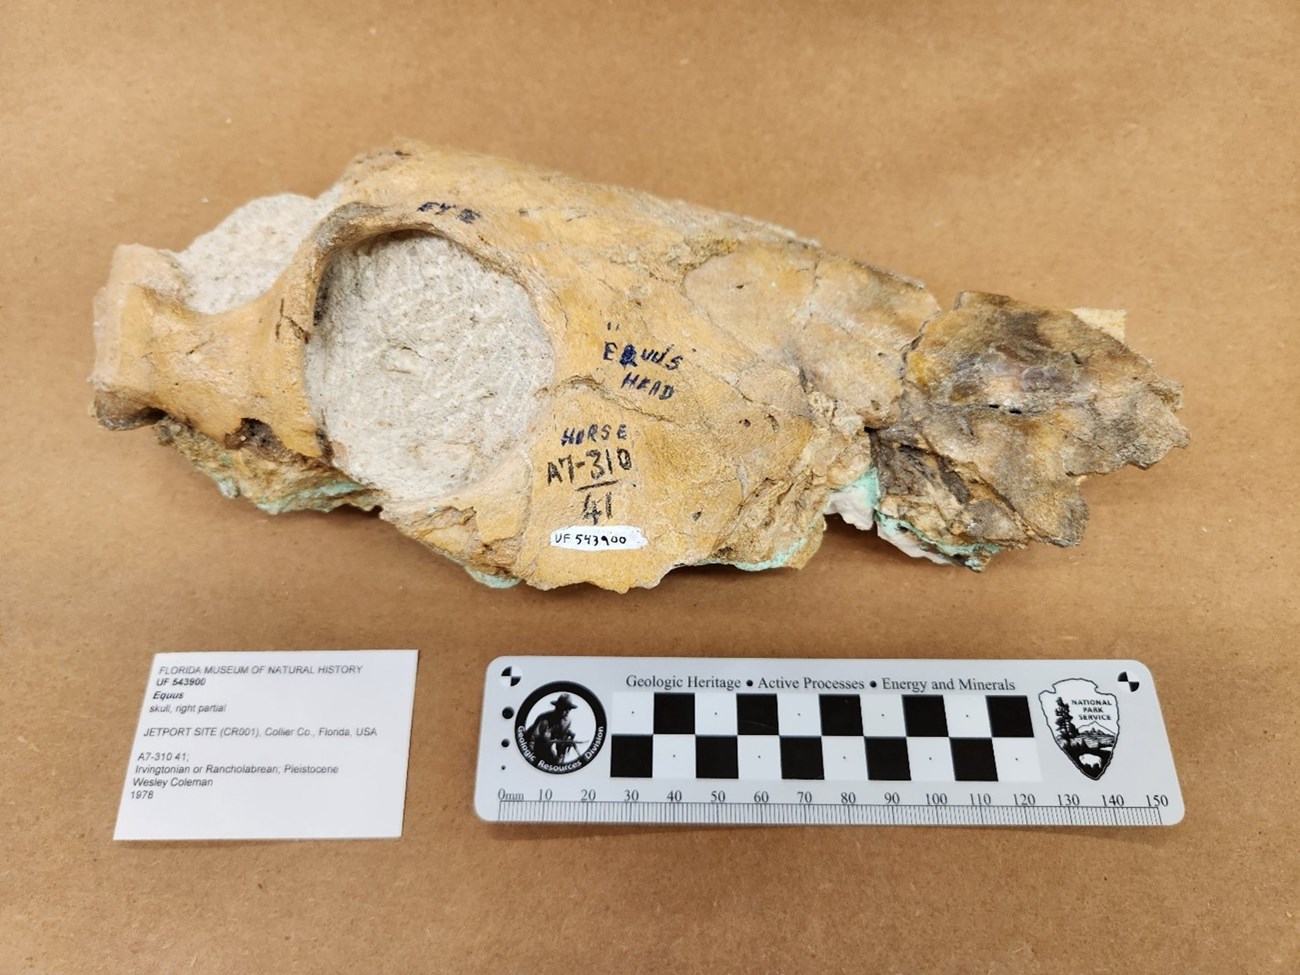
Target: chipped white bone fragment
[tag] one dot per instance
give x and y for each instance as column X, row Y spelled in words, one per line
column 553, row 381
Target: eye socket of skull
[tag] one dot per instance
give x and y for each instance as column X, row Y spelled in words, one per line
column 425, row 366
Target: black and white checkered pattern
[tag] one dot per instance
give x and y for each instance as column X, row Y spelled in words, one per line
column 838, row 737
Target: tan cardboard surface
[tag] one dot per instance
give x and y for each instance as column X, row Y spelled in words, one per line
column 1114, row 155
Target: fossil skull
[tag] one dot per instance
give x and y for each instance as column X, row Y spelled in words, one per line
column 553, row 381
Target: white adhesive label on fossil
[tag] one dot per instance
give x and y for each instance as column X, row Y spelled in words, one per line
column 275, row 745
column 607, row 538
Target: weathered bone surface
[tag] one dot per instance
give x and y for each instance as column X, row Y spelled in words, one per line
column 552, row 381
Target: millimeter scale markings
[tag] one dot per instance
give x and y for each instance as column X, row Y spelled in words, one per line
column 730, row 741
column 820, row 814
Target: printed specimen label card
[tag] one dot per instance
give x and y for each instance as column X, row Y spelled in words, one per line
column 271, row 745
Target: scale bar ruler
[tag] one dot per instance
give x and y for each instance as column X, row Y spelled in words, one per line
column 730, row 742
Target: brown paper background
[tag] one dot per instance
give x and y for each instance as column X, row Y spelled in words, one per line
column 1136, row 155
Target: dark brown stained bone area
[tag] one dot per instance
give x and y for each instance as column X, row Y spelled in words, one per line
column 1004, row 406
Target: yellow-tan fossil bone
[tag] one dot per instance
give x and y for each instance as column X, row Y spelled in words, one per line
column 553, row 381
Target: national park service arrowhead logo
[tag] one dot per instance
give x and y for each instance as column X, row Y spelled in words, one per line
column 1085, row 723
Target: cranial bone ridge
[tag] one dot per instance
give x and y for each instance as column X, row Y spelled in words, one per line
column 554, row 381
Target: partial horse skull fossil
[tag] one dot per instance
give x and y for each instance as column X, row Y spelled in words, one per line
column 552, row 381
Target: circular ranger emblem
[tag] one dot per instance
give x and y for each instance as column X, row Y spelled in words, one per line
column 560, row 727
